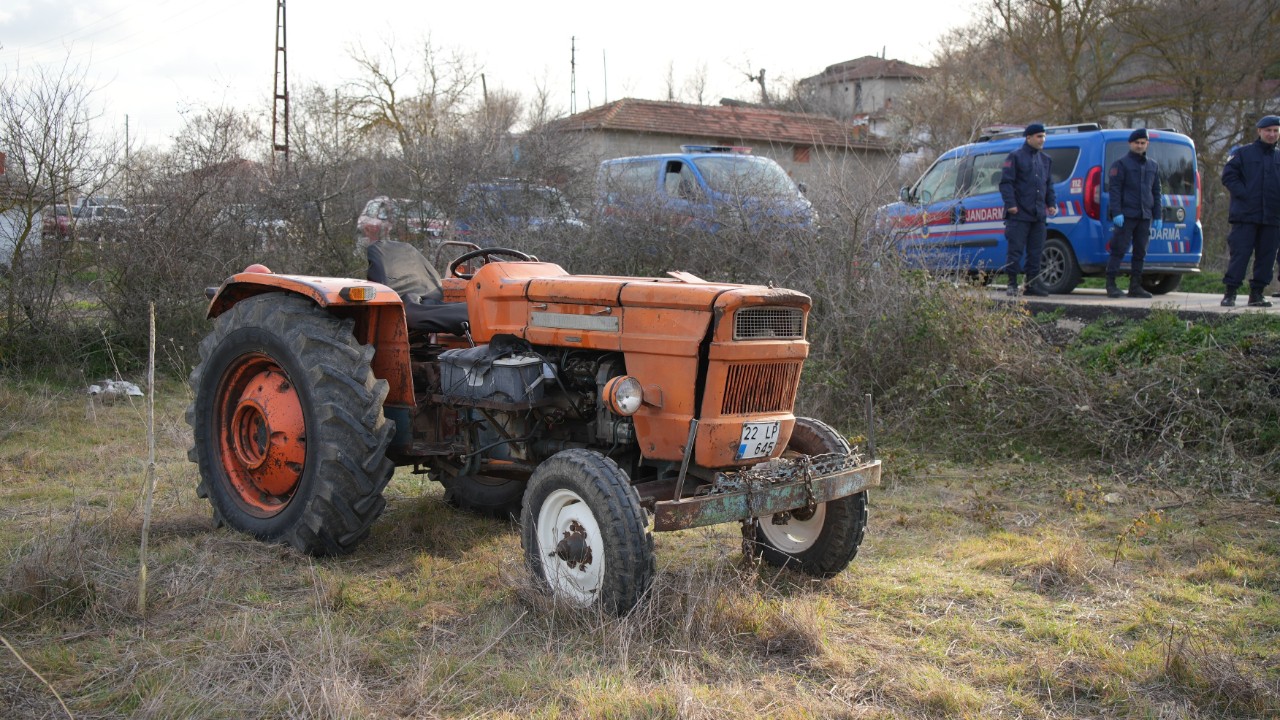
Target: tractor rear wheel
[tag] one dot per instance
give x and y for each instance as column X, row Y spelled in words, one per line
column 289, row 431
column 821, row 542
column 490, row 495
column 585, row 536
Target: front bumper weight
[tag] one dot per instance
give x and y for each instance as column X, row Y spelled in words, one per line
column 759, row 497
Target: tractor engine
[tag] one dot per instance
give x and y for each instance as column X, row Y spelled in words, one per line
column 520, row 404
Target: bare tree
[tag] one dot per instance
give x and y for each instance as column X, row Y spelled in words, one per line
column 695, row 86
column 421, row 107
column 1070, row 52
column 1217, row 102
column 53, row 156
column 758, row 78
column 669, row 82
column 416, row 102
column 972, row 85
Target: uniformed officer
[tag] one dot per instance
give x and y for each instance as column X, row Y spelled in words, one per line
column 1252, row 176
column 1133, row 192
column 1027, row 190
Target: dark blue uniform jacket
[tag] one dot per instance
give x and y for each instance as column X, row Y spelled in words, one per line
column 1025, row 183
column 1133, row 187
column 1252, row 176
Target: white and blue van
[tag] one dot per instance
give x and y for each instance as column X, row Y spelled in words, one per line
column 952, row 218
column 703, row 187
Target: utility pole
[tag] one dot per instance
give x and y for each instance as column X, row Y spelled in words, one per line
column 573, row 75
column 280, row 105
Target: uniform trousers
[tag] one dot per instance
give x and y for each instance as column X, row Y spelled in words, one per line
column 1135, row 234
column 1026, row 242
column 1254, row 240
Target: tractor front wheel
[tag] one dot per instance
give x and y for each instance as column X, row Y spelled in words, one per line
column 822, row 541
column 289, row 431
column 585, row 536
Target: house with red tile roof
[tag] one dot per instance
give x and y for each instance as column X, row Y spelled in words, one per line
column 808, row 147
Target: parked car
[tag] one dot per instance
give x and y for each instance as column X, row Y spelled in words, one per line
column 148, row 214
column 102, row 222
column 55, row 222
column 952, row 218
column 508, row 204
column 265, row 223
column 412, row 221
column 705, row 187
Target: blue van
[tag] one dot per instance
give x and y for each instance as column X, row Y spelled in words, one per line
column 952, row 218
column 703, row 187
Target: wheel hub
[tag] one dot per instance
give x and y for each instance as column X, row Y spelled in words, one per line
column 571, row 542
column 573, row 548
column 263, row 436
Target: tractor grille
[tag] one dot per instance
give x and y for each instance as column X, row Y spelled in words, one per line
column 768, row 323
column 760, row 388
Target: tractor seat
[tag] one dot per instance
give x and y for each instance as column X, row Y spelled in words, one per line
column 401, row 267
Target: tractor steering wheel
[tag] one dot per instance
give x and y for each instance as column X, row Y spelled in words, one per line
column 485, row 253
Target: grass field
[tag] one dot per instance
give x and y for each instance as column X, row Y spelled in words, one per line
column 1006, row 590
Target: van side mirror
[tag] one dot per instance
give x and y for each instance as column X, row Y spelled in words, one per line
column 904, row 194
column 804, row 189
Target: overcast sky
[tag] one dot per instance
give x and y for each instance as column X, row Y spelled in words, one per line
column 157, row 60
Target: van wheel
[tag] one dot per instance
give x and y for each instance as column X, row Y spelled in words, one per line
column 1161, row 284
column 1059, row 271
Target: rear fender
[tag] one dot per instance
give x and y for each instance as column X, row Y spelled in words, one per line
column 379, row 322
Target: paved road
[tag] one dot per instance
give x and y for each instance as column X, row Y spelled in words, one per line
column 1093, row 302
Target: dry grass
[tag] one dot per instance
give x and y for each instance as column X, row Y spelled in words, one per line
column 983, row 592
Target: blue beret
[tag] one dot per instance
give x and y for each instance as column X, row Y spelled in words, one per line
column 1033, row 129
column 1268, row 121
column 1139, row 134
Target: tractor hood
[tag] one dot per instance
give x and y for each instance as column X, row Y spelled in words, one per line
column 525, row 298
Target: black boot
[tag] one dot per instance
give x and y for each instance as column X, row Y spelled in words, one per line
column 1229, row 297
column 1135, row 288
column 1012, row 290
column 1112, row 290
column 1256, row 299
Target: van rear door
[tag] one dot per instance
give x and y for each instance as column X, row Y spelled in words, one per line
column 1179, row 244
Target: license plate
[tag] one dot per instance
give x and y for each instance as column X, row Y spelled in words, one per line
column 758, row 440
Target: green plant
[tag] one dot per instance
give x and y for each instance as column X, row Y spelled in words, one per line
column 1138, row 528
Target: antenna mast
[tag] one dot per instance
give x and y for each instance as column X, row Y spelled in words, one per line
column 280, row 105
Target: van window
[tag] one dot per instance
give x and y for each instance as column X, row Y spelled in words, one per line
column 746, row 176
column 679, row 181
column 986, row 173
column 1064, row 162
column 631, row 178
column 1177, row 164
column 939, row 182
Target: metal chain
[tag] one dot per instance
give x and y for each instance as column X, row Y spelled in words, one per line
column 805, row 467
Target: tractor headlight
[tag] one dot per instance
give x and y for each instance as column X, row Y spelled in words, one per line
column 623, row 395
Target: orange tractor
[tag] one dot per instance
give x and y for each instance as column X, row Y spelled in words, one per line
column 586, row 404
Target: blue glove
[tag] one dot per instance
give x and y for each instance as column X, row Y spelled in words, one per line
column 1118, row 221
column 1157, row 224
